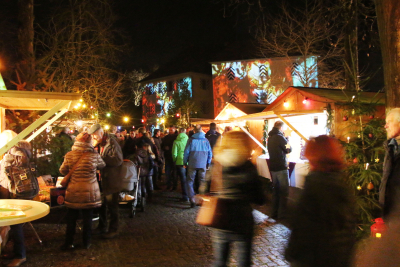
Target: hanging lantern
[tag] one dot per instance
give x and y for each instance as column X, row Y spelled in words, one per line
column 378, row 228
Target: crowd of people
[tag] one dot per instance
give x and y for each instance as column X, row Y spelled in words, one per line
column 323, row 222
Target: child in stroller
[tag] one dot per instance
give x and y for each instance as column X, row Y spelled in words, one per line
column 144, row 159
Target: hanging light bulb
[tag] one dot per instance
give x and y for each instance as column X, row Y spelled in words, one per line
column 285, row 104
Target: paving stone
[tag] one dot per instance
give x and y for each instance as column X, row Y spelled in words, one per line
column 164, row 235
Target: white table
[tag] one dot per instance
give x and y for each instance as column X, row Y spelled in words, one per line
column 297, row 176
column 37, row 211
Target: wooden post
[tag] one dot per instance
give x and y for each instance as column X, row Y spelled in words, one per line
column 291, row 126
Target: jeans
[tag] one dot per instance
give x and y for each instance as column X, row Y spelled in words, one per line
column 72, row 216
column 280, row 181
column 110, row 204
column 17, row 234
column 170, row 174
column 181, row 171
column 222, row 241
column 192, row 173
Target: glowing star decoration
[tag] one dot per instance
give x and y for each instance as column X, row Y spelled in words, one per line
column 359, row 187
column 377, row 160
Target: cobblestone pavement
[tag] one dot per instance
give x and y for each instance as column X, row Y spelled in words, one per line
column 164, row 235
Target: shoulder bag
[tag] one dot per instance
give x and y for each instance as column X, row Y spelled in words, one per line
column 67, row 177
column 214, row 210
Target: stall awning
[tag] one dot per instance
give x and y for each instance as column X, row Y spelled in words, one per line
column 265, row 115
column 56, row 104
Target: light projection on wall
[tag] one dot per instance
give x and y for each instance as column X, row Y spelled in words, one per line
column 260, row 81
column 157, row 97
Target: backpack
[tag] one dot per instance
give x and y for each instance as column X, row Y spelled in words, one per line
column 24, row 184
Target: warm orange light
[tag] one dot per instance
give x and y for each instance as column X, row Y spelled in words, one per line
column 378, row 235
column 285, row 104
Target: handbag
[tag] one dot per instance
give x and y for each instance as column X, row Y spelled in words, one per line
column 67, row 177
column 214, row 211
column 24, row 184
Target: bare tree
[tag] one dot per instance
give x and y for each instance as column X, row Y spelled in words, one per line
column 133, row 78
column 388, row 16
column 80, row 54
column 305, row 32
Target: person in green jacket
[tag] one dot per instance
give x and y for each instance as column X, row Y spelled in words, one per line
column 177, row 155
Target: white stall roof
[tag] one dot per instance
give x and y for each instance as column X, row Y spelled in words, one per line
column 33, row 100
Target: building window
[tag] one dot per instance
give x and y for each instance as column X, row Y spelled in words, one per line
column 294, row 69
column 209, row 84
column 203, row 84
column 158, row 108
column 205, row 107
column 230, row 74
column 263, row 71
column 170, row 86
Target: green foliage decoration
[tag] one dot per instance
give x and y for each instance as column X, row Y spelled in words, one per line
column 364, row 154
column 50, row 149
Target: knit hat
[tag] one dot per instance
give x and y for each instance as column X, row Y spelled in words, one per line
column 94, row 128
column 84, row 137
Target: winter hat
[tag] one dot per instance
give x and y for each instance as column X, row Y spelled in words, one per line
column 325, row 153
column 94, row 128
column 233, row 149
column 84, row 137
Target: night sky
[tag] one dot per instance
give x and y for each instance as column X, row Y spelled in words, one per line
column 161, row 30
column 158, row 31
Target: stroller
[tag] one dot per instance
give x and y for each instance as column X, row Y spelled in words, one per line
column 129, row 196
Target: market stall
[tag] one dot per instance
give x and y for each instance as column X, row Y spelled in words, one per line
column 306, row 112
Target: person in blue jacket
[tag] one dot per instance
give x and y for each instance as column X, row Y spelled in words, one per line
column 197, row 157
